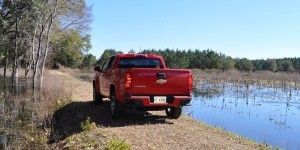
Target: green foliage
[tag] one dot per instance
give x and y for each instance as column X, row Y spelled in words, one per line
column 271, row 65
column 259, row 64
column 12, row 12
column 209, row 59
column 65, row 25
column 89, row 60
column 86, row 125
column 70, row 47
column 206, row 59
column 106, row 54
column 131, row 51
column 227, row 64
column 62, row 101
column 244, row 64
column 286, row 65
column 117, row 144
column 296, row 63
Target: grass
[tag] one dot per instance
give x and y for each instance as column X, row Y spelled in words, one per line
column 117, row 144
column 87, row 125
column 83, row 140
column 215, row 81
column 264, row 77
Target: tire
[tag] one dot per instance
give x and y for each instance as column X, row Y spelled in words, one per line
column 97, row 98
column 116, row 108
column 174, row 112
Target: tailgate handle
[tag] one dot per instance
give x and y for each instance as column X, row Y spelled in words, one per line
column 161, row 75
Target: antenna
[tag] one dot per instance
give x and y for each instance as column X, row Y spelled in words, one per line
column 162, row 35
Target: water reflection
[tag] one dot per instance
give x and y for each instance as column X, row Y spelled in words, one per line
column 16, row 113
column 14, row 86
column 265, row 114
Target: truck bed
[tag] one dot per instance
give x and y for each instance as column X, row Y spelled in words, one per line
column 160, row 82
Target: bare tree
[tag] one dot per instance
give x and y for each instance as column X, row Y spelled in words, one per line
column 41, row 54
column 29, row 26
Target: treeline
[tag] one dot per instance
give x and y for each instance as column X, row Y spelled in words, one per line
column 39, row 33
column 209, row 59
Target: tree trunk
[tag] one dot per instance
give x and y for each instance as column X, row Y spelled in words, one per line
column 6, row 63
column 31, row 59
column 15, row 67
column 35, row 75
column 47, row 44
column 39, row 65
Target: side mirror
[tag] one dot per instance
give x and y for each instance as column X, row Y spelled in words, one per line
column 97, row 68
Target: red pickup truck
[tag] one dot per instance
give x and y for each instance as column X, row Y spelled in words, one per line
column 142, row 81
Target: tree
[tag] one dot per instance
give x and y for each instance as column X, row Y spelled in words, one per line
column 227, row 64
column 296, row 63
column 106, row 54
column 271, row 65
column 259, row 64
column 196, row 59
column 244, row 64
column 89, row 60
column 69, row 48
column 286, row 65
column 131, row 51
column 211, row 60
column 12, row 16
column 26, row 29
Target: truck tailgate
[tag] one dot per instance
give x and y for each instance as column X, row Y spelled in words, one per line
column 160, row 81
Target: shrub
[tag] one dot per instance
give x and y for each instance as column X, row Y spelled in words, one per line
column 87, row 125
column 117, row 144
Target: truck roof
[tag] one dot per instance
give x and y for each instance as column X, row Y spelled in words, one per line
column 139, row 55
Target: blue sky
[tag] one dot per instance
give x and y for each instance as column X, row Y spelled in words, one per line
column 251, row 29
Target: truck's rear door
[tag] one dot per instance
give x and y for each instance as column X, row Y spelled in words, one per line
column 160, row 81
column 148, row 77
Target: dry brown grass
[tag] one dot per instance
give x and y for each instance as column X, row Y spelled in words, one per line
column 243, row 76
column 264, row 78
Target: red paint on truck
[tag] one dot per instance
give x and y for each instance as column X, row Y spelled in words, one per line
column 142, row 81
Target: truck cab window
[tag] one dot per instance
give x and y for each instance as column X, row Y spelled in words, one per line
column 126, row 62
column 108, row 64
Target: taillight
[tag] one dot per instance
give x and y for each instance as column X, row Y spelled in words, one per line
column 190, row 81
column 128, row 80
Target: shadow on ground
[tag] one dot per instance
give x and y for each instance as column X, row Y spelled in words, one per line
column 67, row 120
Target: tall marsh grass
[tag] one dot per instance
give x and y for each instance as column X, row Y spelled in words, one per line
column 215, row 81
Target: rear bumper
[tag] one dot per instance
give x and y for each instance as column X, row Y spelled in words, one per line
column 147, row 101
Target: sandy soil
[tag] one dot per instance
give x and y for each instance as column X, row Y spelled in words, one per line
column 142, row 130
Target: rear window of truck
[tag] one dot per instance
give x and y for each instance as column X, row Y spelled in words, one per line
column 138, row 62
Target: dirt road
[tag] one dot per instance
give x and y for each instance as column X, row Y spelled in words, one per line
column 142, row 130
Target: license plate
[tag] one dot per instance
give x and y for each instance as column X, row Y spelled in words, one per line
column 160, row 99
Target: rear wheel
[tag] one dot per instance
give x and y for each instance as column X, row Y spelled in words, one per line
column 116, row 107
column 97, row 98
column 173, row 112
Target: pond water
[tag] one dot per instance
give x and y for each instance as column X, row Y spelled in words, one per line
column 15, row 86
column 15, row 114
column 265, row 114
